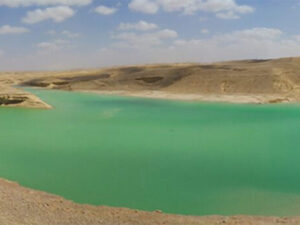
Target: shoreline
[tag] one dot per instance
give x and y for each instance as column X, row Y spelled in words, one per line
column 24, row 206
column 29, row 100
column 209, row 98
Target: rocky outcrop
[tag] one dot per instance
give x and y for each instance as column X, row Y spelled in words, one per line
column 12, row 100
column 10, row 97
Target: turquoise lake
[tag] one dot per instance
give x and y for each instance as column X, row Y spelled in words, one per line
column 179, row 157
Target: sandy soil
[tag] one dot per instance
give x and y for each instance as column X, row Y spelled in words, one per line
column 21, row 206
column 243, row 99
column 12, row 97
column 250, row 81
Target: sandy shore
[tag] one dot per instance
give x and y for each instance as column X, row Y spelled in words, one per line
column 242, row 99
column 22, row 206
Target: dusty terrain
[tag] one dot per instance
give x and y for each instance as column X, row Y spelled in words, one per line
column 254, row 81
column 21, row 206
column 12, row 96
column 251, row 81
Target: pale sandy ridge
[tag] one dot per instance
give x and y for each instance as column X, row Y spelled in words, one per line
column 242, row 99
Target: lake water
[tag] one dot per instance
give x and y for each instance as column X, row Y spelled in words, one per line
column 179, row 157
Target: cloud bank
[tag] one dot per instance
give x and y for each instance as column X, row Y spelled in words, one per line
column 57, row 14
column 26, row 3
column 105, row 11
column 226, row 9
column 7, row 29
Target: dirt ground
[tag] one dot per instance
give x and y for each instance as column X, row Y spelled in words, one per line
column 22, row 206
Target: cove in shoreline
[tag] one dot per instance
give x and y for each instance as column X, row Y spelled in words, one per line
column 179, row 157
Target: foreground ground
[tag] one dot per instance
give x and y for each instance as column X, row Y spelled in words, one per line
column 21, row 206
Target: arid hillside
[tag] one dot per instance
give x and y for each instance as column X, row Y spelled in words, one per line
column 249, row 81
column 253, row 80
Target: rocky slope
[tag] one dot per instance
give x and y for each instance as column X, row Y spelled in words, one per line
column 11, row 97
column 257, row 81
column 250, row 81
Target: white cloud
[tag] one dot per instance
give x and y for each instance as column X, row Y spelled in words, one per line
column 226, row 9
column 243, row 44
column 7, row 29
column 144, row 40
column 145, row 6
column 260, row 33
column 160, row 47
column 205, row 31
column 69, row 34
column 141, row 26
column 57, row 14
column 51, row 32
column 64, row 33
column 104, row 10
column 25, row 3
column 53, row 46
column 228, row 15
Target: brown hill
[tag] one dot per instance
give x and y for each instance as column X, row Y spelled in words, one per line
column 260, row 81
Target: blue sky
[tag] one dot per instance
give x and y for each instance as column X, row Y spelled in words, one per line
column 70, row 34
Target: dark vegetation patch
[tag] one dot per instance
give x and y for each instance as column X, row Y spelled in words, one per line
column 150, row 79
column 153, row 77
column 131, row 69
column 86, row 77
column 12, row 100
column 208, row 67
column 259, row 60
column 224, row 67
column 174, row 76
column 35, row 83
column 130, row 76
column 239, row 69
column 61, row 83
column 215, row 67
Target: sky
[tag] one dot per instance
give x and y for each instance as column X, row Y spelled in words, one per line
column 74, row 34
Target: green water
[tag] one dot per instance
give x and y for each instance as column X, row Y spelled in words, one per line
column 187, row 158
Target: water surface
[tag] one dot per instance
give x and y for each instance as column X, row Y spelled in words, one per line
column 180, row 157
